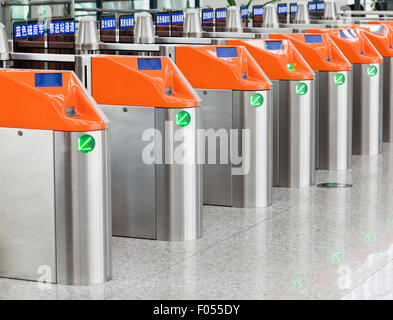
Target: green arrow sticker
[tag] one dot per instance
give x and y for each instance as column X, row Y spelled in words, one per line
column 372, row 71
column 339, row 79
column 336, row 257
column 86, row 143
column 301, row 89
column 256, row 100
column 183, row 119
column 290, row 67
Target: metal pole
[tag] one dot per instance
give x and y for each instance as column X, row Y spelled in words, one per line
column 99, row 6
column 153, row 4
column 357, row 4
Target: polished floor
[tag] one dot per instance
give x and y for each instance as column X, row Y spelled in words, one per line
column 313, row 243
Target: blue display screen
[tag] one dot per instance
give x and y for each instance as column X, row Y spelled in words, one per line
column 61, row 27
column 293, row 8
column 207, row 15
column 29, row 30
column 48, row 79
column 221, row 14
column 108, row 23
column 149, row 64
column 127, row 22
column 163, row 19
column 229, row 52
column 282, row 9
column 313, row 38
column 257, row 11
column 177, row 17
column 274, row 45
column 244, row 12
column 348, row 34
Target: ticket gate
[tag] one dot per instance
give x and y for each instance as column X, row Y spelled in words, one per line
column 174, row 214
column 333, row 78
column 156, row 175
column 381, row 36
column 294, row 114
column 367, row 88
column 55, row 213
column 235, row 97
column 237, row 82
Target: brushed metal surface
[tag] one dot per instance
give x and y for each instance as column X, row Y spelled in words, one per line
column 27, row 204
column 144, row 28
column 367, row 111
column 253, row 189
column 192, row 24
column 388, row 99
column 294, row 132
column 133, row 181
column 334, row 111
column 83, row 210
column 87, row 37
column 217, row 115
column 178, row 185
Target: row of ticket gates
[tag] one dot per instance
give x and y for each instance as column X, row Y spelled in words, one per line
column 116, row 145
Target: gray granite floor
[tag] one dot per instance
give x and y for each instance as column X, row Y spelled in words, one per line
column 312, row 243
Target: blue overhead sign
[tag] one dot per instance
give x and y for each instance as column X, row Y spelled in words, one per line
column 282, row 9
column 108, row 23
column 29, row 30
column 244, row 12
column 127, row 22
column 320, row 6
column 221, row 14
column 163, row 19
column 177, row 17
column 293, row 8
column 257, row 11
column 61, row 27
column 207, row 15
column 312, row 7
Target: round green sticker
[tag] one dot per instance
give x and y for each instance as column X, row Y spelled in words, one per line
column 339, row 79
column 301, row 88
column 86, row 143
column 183, row 119
column 372, row 71
column 256, row 100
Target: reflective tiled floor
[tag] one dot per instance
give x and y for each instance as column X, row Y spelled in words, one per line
column 312, row 243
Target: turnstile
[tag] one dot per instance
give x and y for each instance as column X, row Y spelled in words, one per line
column 294, row 114
column 55, row 213
column 367, row 88
column 228, row 81
column 236, row 109
column 155, row 117
column 381, row 36
column 333, row 78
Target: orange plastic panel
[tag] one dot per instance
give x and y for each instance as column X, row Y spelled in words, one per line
column 205, row 70
column 118, row 81
column 323, row 56
column 25, row 105
column 381, row 39
column 357, row 50
column 283, row 64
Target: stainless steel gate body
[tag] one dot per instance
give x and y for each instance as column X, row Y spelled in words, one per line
column 154, row 200
column 367, row 110
column 231, row 110
column 54, row 207
column 334, row 109
column 294, row 134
